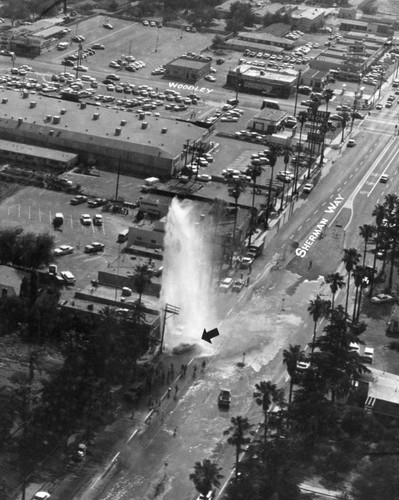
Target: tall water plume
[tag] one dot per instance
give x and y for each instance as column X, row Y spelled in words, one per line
column 187, row 268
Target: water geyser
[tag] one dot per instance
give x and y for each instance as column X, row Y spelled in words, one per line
column 187, row 268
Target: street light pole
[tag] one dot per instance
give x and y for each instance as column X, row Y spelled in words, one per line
column 156, row 45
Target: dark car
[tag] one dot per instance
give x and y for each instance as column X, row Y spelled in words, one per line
column 78, row 200
column 97, row 202
column 224, row 398
column 94, row 247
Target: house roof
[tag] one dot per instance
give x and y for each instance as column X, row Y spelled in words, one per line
column 183, row 62
column 383, row 393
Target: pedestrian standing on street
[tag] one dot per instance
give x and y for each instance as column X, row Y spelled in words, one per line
column 169, row 391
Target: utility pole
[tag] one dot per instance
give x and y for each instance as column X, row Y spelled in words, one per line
column 156, row 45
column 173, row 310
column 297, row 87
column 117, row 180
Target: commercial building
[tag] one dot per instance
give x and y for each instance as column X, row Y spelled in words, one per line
column 308, row 19
column 264, row 38
column 188, row 69
column 383, row 394
column 273, row 83
column 268, row 121
column 117, row 140
column 353, row 25
column 37, row 157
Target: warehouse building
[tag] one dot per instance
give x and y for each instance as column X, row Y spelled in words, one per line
column 115, row 139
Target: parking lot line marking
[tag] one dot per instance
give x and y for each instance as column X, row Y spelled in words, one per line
column 299, row 228
column 40, row 215
column 307, row 220
column 29, row 212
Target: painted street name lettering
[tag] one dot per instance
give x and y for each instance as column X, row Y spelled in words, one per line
column 332, row 207
column 181, row 86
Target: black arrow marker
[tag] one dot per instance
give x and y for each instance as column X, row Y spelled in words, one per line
column 207, row 336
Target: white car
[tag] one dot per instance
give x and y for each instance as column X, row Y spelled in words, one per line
column 85, row 219
column 41, row 495
column 80, row 67
column 210, row 78
column 63, row 250
column 226, row 284
column 114, row 64
column 108, row 26
column 307, row 188
column 382, row 298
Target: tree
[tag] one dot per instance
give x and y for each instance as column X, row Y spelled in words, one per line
column 336, row 282
column 328, row 94
column 238, row 436
column 16, row 9
column 266, row 394
column 378, row 479
column 379, row 214
column 366, row 232
column 318, row 308
column 351, row 258
column 345, row 118
column 236, row 188
column 275, row 152
column 141, row 278
column 286, row 154
column 206, row 476
column 291, row 356
column 302, row 118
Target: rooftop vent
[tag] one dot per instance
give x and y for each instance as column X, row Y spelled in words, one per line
column 25, row 94
column 4, row 100
column 123, row 122
column 82, row 105
column 144, row 124
column 141, row 116
column 32, row 104
column 96, row 116
column 118, row 131
column 20, row 120
column 164, row 130
column 51, row 132
column 63, row 111
column 56, row 119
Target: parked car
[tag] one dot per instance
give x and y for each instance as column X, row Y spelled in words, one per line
column 382, row 298
column 209, row 496
column 98, row 220
column 108, row 26
column 307, row 188
column 226, row 284
column 224, row 398
column 78, row 199
column 94, row 247
column 368, row 355
column 85, row 219
column 98, row 46
column 41, row 495
column 80, row 452
column 351, row 143
column 238, row 285
column 68, row 277
column 210, row 78
column 63, row 250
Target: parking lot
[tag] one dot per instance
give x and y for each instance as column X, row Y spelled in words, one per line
column 34, row 209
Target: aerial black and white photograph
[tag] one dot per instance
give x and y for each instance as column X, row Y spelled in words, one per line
column 199, row 250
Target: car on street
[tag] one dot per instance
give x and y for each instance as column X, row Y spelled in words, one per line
column 351, row 143
column 80, row 67
column 204, row 177
column 153, row 24
column 246, row 262
column 85, row 219
column 285, row 176
column 63, row 250
column 388, row 104
column 226, row 284
column 238, row 285
column 78, row 199
column 382, row 298
column 41, row 495
column 307, row 188
column 146, row 23
column 379, row 106
column 210, row 78
column 357, row 115
column 81, row 452
column 384, row 178
column 78, row 38
column 98, row 46
column 224, row 398
column 94, row 247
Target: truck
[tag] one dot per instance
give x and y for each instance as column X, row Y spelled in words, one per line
column 255, row 248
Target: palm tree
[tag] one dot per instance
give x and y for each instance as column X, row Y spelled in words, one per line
column 238, row 436
column 266, row 394
column 275, row 152
column 379, row 214
column 291, row 356
column 236, row 188
column 255, row 172
column 328, row 94
column 318, row 308
column 287, row 153
column 206, row 476
column 366, row 232
column 344, row 121
column 351, row 258
column 336, row 282
column 142, row 276
column 302, row 117
column 358, row 277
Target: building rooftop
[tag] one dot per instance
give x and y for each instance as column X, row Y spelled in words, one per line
column 384, row 386
column 188, row 63
column 354, row 22
column 262, row 47
column 285, row 76
column 271, row 115
column 265, row 36
column 66, row 120
column 309, row 13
